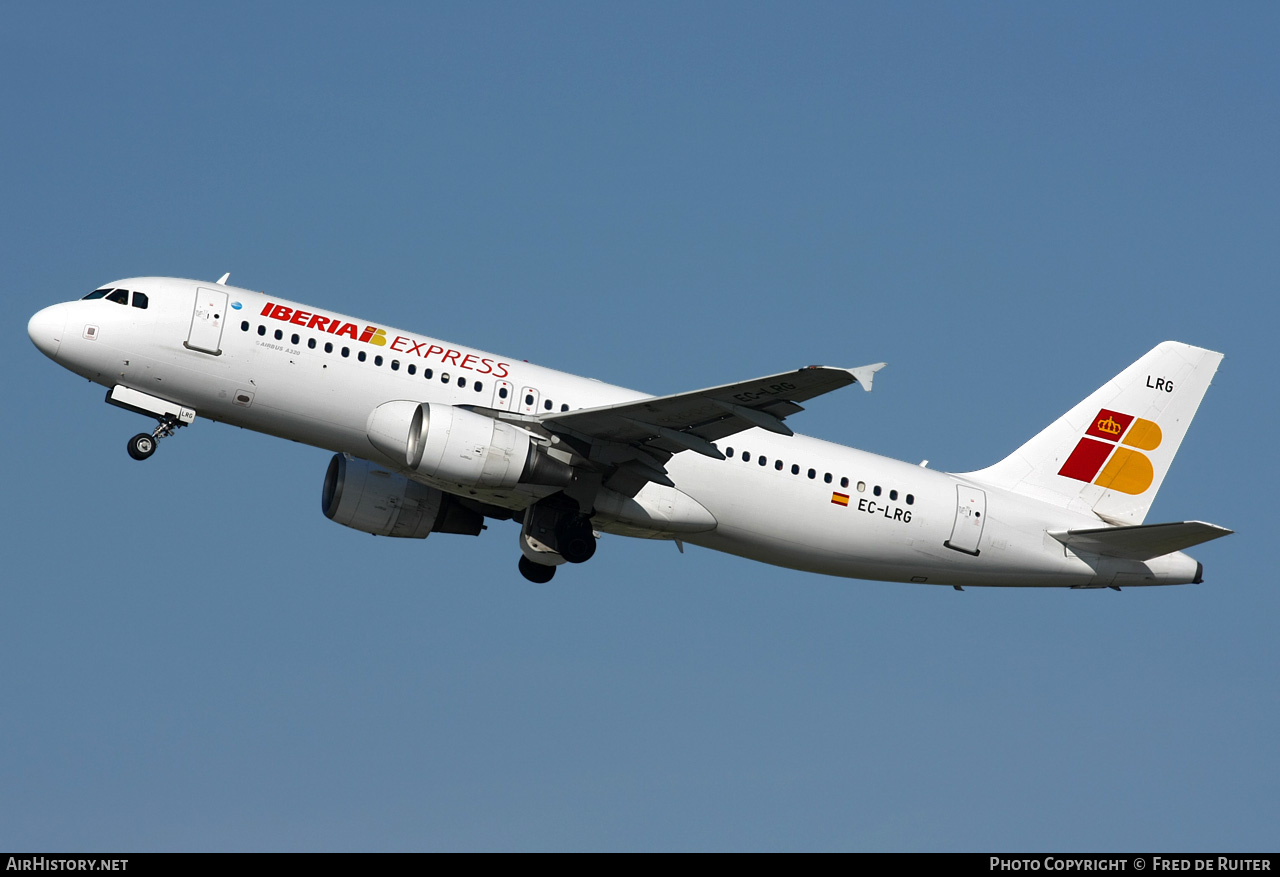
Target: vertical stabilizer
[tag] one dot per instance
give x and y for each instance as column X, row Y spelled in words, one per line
column 1109, row 454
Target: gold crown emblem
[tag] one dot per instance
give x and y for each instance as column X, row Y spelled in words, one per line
column 1109, row 426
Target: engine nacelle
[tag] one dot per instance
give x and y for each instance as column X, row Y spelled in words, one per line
column 366, row 497
column 462, row 447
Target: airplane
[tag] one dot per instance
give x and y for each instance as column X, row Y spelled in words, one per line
column 434, row 437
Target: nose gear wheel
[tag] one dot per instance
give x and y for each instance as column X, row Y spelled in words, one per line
column 143, row 445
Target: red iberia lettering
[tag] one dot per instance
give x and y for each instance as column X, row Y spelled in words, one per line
column 450, row 356
column 503, row 366
column 466, row 361
column 369, row 335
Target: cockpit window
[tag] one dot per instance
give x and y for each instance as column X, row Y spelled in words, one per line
column 97, row 293
column 140, row 300
column 120, row 297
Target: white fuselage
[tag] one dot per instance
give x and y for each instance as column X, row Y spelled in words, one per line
column 776, row 498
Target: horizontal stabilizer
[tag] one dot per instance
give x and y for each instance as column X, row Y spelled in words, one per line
column 1142, row 542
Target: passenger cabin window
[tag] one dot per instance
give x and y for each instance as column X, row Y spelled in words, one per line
column 502, row 392
column 462, row 382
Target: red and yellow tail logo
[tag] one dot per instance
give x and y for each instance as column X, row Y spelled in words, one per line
column 1126, row 470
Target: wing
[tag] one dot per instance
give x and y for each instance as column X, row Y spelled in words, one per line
column 639, row 437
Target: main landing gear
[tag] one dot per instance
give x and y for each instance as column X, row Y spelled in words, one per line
column 555, row 531
column 143, row 445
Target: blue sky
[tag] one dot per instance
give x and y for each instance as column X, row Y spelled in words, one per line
column 1007, row 202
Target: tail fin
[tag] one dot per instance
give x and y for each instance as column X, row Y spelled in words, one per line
column 1109, row 454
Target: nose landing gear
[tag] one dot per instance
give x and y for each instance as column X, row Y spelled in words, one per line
column 169, row 416
column 143, row 445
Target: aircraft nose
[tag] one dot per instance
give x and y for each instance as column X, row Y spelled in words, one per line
column 46, row 329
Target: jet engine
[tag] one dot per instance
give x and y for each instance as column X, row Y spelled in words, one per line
column 462, row 447
column 364, row 496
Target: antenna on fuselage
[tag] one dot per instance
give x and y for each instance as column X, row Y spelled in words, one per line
column 222, row 281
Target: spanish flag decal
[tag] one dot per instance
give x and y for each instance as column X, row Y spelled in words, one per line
column 840, row 498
